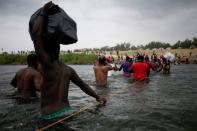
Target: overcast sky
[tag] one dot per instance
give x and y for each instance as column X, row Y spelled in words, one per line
column 104, row 22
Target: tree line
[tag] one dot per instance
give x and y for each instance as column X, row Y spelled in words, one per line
column 89, row 55
column 125, row 46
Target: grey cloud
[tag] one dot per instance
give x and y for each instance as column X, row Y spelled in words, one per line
column 17, row 7
column 156, row 8
column 106, row 21
column 149, row 8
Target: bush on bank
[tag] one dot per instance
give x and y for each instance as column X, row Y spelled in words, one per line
column 79, row 59
column 69, row 58
column 12, row 59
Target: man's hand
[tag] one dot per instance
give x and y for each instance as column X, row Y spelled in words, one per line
column 49, row 8
column 38, row 24
column 115, row 68
column 102, row 100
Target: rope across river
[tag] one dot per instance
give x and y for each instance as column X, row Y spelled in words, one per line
column 67, row 117
column 74, row 114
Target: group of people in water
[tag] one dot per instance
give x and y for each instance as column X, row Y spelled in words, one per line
column 51, row 77
column 137, row 67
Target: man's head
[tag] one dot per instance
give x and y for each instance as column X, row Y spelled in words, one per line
column 127, row 58
column 147, row 58
column 102, row 60
column 140, row 58
column 32, row 60
column 130, row 60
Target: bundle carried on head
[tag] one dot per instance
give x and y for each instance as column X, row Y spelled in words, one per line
column 169, row 56
column 59, row 26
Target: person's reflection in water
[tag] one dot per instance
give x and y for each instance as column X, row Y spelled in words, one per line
column 137, row 89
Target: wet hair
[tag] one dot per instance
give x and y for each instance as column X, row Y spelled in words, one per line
column 32, row 59
column 140, row 58
column 164, row 59
column 127, row 58
column 130, row 60
column 102, row 60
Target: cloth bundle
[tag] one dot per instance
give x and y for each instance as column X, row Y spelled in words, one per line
column 59, row 26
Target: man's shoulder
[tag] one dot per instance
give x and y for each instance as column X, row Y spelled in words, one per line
column 30, row 69
column 67, row 69
column 145, row 64
column 98, row 67
column 21, row 71
column 101, row 67
column 135, row 64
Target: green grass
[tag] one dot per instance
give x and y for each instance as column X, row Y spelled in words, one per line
column 12, row 59
column 79, row 59
column 70, row 58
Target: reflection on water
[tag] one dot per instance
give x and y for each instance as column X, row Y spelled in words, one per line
column 165, row 103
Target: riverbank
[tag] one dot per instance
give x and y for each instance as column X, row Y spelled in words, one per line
column 69, row 58
column 81, row 58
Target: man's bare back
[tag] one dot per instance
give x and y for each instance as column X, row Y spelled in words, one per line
column 27, row 81
column 101, row 71
column 55, row 92
column 56, row 75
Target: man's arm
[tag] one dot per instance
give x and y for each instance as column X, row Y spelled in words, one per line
column 131, row 69
column 38, row 81
column 159, row 69
column 153, row 67
column 147, row 70
column 84, row 87
column 148, row 73
column 14, row 82
column 109, row 67
column 120, row 67
column 38, row 37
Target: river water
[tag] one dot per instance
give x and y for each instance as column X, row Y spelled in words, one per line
column 165, row 103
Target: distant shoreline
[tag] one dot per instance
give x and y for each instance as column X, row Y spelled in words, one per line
column 87, row 58
column 69, row 58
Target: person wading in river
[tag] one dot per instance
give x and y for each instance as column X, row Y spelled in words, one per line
column 166, row 66
column 140, row 69
column 126, row 66
column 101, row 71
column 56, row 75
column 28, row 80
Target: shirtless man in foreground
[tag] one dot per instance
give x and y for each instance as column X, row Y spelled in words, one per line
column 101, row 71
column 28, row 80
column 56, row 75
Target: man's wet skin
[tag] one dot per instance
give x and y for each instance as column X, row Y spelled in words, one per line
column 56, row 75
column 28, row 80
